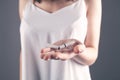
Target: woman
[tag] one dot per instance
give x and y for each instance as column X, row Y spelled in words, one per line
column 56, row 22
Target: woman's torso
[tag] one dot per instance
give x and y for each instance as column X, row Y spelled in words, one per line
column 39, row 28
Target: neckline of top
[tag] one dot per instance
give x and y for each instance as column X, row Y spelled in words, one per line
column 55, row 12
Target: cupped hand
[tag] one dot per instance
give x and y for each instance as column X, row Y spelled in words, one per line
column 48, row 53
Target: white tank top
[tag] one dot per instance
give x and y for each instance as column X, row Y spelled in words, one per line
column 39, row 28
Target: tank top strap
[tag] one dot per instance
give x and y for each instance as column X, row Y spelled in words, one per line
column 79, row 3
column 27, row 6
column 30, row 6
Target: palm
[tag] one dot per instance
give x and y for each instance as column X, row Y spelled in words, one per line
column 63, row 54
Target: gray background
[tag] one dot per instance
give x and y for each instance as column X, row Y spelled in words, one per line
column 106, row 67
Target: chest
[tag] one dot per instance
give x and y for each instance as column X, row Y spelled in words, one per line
column 67, row 17
column 53, row 6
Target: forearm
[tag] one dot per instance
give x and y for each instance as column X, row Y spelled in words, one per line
column 94, row 13
column 88, row 57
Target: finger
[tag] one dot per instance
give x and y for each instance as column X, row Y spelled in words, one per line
column 54, row 56
column 66, row 55
column 42, row 55
column 61, row 56
column 44, row 50
column 47, row 55
column 78, row 49
column 50, row 54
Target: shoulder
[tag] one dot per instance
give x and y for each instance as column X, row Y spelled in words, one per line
column 88, row 2
column 22, row 4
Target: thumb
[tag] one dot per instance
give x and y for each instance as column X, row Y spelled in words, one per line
column 79, row 48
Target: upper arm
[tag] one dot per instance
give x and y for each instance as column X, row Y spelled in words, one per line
column 94, row 23
column 22, row 4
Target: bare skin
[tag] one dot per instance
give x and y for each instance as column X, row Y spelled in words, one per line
column 53, row 6
column 91, row 44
